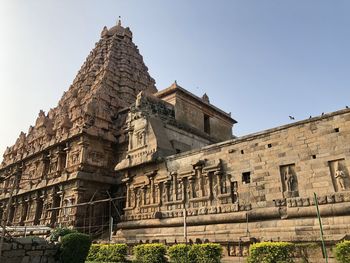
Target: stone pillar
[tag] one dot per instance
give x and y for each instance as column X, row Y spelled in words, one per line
column 134, row 193
column 157, row 194
column 38, row 209
column 59, row 212
column 130, row 140
column 218, row 176
column 144, row 192
column 167, row 191
column 174, row 181
column 206, row 185
column 128, row 195
column 198, row 174
column 183, row 185
column 152, row 190
column 84, row 146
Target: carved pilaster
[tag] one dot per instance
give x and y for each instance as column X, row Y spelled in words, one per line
column 219, row 180
column 174, row 182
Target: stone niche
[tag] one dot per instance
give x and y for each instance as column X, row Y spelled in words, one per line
column 339, row 174
column 289, row 181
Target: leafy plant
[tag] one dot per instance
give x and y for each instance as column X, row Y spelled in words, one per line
column 342, row 252
column 179, row 253
column 74, row 248
column 271, row 252
column 205, row 253
column 150, row 253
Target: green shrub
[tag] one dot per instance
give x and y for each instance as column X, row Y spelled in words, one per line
column 150, row 253
column 113, row 253
column 205, row 253
column 93, row 252
column 74, row 248
column 179, row 253
column 271, row 252
column 342, row 252
column 60, row 232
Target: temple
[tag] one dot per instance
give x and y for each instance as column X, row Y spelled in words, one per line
column 117, row 147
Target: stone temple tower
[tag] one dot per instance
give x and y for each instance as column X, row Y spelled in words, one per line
column 68, row 156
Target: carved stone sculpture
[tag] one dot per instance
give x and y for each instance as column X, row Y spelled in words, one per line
column 339, row 176
column 289, row 179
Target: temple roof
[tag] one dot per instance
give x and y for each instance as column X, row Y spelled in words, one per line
column 109, row 80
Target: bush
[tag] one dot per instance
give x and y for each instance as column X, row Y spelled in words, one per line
column 93, row 252
column 271, row 252
column 113, row 253
column 150, row 253
column 60, row 232
column 205, row 253
column 74, row 248
column 179, row 253
column 342, row 252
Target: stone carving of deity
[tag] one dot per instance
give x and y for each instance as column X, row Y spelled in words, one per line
column 339, row 176
column 234, row 191
column 289, row 179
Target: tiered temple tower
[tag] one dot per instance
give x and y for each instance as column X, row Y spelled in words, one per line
column 68, row 156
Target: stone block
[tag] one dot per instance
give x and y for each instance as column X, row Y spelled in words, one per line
column 35, row 253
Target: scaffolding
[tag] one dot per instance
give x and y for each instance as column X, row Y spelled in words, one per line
column 105, row 221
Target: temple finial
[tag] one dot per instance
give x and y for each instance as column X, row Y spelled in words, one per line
column 119, row 21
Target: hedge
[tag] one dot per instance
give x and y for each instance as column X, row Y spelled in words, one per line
column 205, row 253
column 342, row 252
column 271, row 252
column 150, row 253
column 108, row 253
column 179, row 253
column 201, row 253
column 74, row 248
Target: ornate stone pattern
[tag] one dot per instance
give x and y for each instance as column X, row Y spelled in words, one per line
column 76, row 140
column 204, row 189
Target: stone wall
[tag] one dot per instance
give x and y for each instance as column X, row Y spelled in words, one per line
column 261, row 185
column 28, row 250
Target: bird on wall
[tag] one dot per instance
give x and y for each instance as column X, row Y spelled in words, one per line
column 346, row 107
column 322, row 113
column 310, row 117
column 291, row 117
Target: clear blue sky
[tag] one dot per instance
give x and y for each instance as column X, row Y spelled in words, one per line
column 261, row 60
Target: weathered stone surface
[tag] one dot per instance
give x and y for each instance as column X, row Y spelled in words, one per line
column 71, row 149
column 31, row 253
column 169, row 155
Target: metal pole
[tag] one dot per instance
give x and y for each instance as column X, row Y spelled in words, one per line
column 110, row 229
column 321, row 228
column 185, row 226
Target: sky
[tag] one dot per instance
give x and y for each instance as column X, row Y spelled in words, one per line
column 261, row 60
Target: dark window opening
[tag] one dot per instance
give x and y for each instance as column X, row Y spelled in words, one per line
column 314, row 156
column 242, row 151
column 206, row 124
column 178, row 150
column 246, row 178
column 269, row 145
column 336, row 129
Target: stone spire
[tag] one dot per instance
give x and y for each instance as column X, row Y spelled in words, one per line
column 109, row 80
